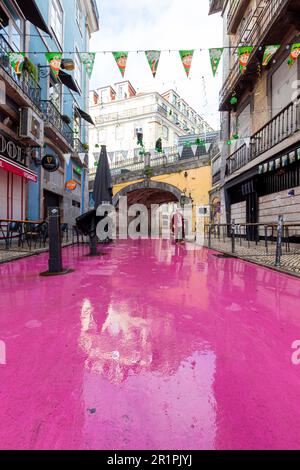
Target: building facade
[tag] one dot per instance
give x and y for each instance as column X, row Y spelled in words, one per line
column 260, row 171
column 42, row 114
column 120, row 113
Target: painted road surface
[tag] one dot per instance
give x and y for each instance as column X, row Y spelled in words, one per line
column 150, row 346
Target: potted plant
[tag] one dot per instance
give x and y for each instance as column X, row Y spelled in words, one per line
column 66, row 119
column 31, row 68
column 148, row 171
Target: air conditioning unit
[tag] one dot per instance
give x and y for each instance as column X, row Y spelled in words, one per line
column 31, row 127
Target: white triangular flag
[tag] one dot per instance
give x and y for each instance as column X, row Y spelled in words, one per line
column 180, row 149
column 207, row 147
column 81, row 157
column 194, row 149
column 247, row 141
column 67, row 157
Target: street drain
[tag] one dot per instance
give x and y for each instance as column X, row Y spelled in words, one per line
column 224, row 255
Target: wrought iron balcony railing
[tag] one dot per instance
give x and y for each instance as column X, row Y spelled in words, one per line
column 54, row 117
column 252, row 33
column 285, row 124
column 24, row 80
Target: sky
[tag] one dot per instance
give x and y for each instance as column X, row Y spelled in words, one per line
column 161, row 25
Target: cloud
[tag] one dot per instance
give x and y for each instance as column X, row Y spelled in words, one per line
column 164, row 25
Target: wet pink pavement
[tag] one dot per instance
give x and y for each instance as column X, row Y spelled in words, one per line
column 150, row 346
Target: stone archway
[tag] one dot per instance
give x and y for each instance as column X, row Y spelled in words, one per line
column 150, row 188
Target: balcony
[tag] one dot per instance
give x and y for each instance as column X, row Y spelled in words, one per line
column 215, row 6
column 22, row 88
column 56, row 128
column 257, row 29
column 285, row 124
column 235, row 13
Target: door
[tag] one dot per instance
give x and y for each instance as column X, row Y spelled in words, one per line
column 252, row 215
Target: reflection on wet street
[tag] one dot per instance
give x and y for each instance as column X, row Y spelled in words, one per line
column 150, row 346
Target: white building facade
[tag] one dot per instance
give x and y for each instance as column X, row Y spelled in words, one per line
column 119, row 113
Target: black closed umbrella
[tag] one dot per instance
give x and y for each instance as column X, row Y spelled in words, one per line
column 102, row 192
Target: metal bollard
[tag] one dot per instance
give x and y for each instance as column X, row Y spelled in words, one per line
column 279, row 242
column 209, row 236
column 233, row 236
column 55, row 266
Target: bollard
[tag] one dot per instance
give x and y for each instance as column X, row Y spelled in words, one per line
column 209, row 236
column 232, row 236
column 55, row 254
column 279, row 242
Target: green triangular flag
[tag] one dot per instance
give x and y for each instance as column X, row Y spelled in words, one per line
column 186, row 59
column 16, row 60
column 121, row 60
column 244, row 53
column 88, row 60
column 54, row 60
column 295, row 52
column 153, row 59
column 215, row 57
column 269, row 52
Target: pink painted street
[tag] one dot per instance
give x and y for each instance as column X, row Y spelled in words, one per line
column 150, row 346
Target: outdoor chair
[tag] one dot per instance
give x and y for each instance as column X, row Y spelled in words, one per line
column 64, row 232
column 14, row 231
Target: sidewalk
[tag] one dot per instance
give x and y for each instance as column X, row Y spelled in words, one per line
column 290, row 259
column 16, row 252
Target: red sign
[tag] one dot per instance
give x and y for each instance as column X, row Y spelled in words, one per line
column 14, row 167
column 71, row 185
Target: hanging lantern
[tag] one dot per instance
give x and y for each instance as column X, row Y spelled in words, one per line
column 67, row 64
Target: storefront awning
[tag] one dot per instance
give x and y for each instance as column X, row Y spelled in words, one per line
column 85, row 116
column 68, row 81
column 32, row 13
column 14, row 167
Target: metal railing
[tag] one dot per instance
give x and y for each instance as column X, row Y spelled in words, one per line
column 285, row 124
column 255, row 240
column 54, row 117
column 253, row 31
column 24, row 80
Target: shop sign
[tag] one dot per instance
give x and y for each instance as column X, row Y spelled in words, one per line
column 11, row 150
column 50, row 163
column 71, row 185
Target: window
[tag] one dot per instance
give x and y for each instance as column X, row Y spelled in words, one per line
column 77, row 126
column 55, row 94
column 78, row 68
column 119, row 134
column 79, row 15
column 57, row 19
column 176, row 139
column 11, row 26
column 165, row 133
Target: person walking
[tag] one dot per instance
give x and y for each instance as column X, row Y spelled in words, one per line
column 178, row 226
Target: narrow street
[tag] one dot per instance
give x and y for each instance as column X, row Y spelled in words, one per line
column 150, row 346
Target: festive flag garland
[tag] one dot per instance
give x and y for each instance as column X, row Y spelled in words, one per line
column 215, row 57
column 153, row 60
column 186, row 59
column 269, row 52
column 88, row 60
column 54, row 60
column 295, row 52
column 244, row 53
column 16, row 60
column 121, row 60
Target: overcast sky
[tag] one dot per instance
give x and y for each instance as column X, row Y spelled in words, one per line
column 161, row 24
